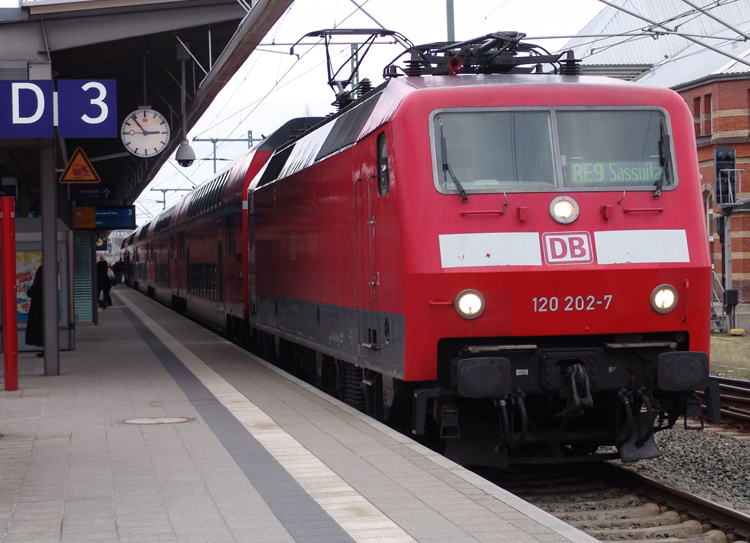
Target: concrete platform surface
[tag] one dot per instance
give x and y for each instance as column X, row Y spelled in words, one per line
column 158, row 430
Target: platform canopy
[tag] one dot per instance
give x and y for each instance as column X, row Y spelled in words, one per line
column 139, row 44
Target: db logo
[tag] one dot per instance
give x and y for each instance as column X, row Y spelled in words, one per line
column 568, row 248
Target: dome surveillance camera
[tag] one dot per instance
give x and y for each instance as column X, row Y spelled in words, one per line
column 185, row 155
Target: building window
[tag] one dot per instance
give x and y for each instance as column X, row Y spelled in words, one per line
column 708, row 118
column 697, row 115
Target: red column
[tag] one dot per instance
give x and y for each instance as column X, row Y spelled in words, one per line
column 10, row 314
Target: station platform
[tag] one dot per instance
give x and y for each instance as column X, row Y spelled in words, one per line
column 158, row 430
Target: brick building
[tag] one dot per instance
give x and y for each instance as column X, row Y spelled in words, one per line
column 721, row 108
column 712, row 76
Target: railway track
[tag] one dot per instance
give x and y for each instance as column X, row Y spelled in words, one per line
column 734, row 395
column 735, row 398
column 611, row 503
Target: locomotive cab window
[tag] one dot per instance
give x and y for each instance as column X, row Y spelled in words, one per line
column 490, row 150
column 383, row 174
column 623, row 148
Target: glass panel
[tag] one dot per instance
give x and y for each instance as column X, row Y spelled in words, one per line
column 610, row 148
column 383, row 175
column 494, row 151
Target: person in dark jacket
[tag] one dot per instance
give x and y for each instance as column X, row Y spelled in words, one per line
column 119, row 268
column 35, row 324
column 103, row 282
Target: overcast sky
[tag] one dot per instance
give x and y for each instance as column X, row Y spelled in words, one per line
column 273, row 86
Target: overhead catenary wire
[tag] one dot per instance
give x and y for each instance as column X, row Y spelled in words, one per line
column 689, row 38
column 707, row 14
column 276, row 87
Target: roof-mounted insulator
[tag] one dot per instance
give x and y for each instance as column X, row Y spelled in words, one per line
column 343, row 100
column 413, row 67
column 365, row 86
column 572, row 65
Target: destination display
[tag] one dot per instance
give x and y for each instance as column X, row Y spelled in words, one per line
column 115, row 218
column 584, row 173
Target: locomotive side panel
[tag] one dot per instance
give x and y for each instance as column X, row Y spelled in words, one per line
column 327, row 244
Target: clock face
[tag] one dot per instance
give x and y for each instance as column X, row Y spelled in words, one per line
column 145, row 133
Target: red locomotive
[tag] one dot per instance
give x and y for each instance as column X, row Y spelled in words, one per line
column 512, row 262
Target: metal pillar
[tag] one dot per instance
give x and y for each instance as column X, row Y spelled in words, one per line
column 726, row 270
column 449, row 13
column 49, row 257
column 250, row 140
column 10, row 316
column 728, row 252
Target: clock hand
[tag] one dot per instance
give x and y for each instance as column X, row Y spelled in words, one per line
column 145, row 132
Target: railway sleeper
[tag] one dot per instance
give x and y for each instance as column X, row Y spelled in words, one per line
column 664, row 519
column 638, row 511
column 683, row 529
column 591, row 501
column 714, row 536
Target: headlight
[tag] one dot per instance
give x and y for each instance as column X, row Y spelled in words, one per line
column 664, row 298
column 470, row 303
column 564, row 209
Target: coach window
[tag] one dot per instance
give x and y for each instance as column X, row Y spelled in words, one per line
column 229, row 234
column 383, row 175
column 181, row 244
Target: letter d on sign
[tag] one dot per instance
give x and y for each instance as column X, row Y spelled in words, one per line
column 16, row 89
column 26, row 109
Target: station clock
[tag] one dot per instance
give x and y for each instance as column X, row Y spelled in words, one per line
column 145, row 132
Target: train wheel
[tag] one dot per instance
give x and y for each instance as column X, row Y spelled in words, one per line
column 266, row 346
column 353, row 393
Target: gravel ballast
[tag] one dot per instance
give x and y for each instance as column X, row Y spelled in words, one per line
column 707, row 463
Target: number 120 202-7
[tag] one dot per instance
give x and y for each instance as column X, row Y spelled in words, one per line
column 571, row 303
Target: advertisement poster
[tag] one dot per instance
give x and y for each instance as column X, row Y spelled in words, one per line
column 27, row 263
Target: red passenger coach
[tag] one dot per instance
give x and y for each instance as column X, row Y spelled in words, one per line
column 513, row 263
column 191, row 256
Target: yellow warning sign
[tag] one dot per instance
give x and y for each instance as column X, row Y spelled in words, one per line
column 79, row 169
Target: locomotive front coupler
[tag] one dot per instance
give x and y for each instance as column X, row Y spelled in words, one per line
column 577, row 403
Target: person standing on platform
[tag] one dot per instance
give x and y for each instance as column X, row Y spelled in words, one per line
column 35, row 324
column 119, row 268
column 102, row 282
column 111, row 281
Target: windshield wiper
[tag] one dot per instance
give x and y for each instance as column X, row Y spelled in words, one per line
column 664, row 147
column 447, row 167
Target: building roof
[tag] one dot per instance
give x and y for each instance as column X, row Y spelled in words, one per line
column 652, row 55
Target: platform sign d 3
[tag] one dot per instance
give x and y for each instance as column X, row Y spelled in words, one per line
column 80, row 109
